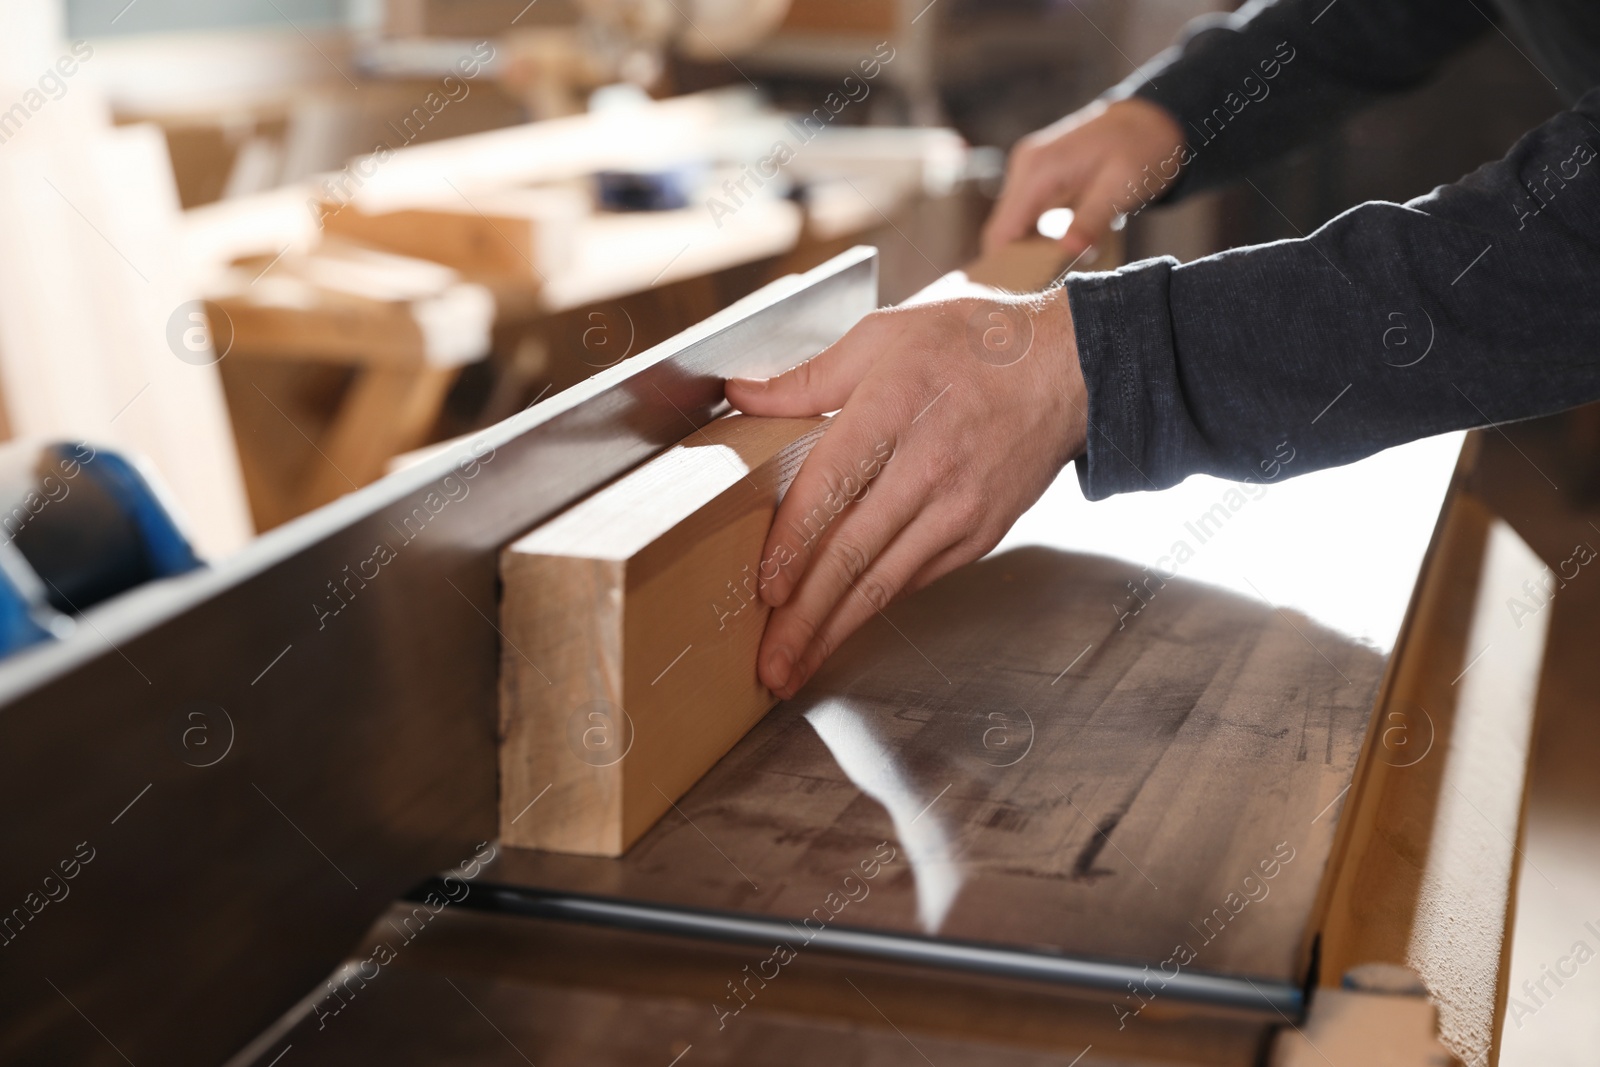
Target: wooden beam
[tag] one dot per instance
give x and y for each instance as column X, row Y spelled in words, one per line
column 1353, row 1028
column 1034, row 262
column 511, row 234
column 679, row 129
column 387, row 411
column 1426, row 867
column 631, row 624
column 345, row 303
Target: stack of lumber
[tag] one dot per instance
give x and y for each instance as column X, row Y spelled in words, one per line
column 383, row 267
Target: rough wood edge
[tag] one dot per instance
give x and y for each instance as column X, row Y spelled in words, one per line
column 526, row 754
column 1441, row 630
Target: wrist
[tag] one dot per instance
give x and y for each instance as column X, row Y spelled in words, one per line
column 1057, row 341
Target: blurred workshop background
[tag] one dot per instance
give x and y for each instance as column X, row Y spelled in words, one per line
column 401, row 220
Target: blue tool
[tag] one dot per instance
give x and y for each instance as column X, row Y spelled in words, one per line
column 78, row 525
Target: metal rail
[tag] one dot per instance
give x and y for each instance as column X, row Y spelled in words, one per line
column 1272, row 1000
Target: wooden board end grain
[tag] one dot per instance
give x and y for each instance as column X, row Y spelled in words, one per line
column 631, row 624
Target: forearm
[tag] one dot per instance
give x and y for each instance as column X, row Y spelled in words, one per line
column 1252, row 85
column 1474, row 304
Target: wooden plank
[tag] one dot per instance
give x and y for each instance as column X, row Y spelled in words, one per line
column 1029, row 264
column 503, row 244
column 631, row 624
column 347, row 304
column 1034, row 262
column 1350, row 1028
column 521, row 234
column 1429, row 864
column 536, row 256
column 677, row 130
column 325, row 328
column 386, row 411
column 627, row 252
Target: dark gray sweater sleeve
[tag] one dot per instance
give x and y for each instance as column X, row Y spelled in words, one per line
column 1249, row 86
column 1477, row 303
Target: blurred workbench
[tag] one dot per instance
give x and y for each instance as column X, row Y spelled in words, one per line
column 349, row 307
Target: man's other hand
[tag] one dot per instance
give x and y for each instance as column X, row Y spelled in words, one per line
column 1102, row 161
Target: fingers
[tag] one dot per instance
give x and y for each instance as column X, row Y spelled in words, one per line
column 1093, row 214
column 925, row 549
column 820, row 384
column 1095, row 205
column 836, row 475
column 1032, row 187
column 839, row 572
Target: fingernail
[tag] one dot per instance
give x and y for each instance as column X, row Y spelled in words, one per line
column 754, row 385
column 779, row 665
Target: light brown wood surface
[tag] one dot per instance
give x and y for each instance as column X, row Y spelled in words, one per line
column 1428, row 864
column 514, row 234
column 345, row 303
column 1346, row 1028
column 1025, row 265
column 631, row 624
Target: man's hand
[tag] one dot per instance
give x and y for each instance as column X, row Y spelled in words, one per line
column 956, row 415
column 1101, row 161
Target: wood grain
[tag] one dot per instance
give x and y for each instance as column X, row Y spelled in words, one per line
column 631, row 624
